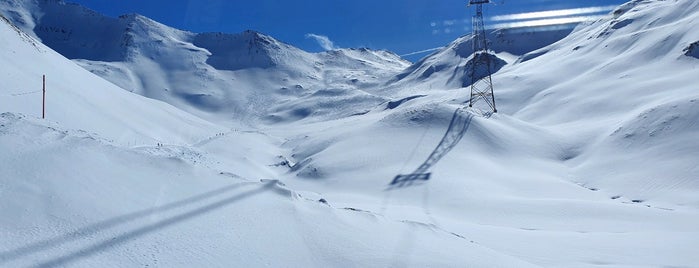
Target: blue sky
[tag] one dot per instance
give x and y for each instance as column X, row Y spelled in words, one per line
column 402, row 26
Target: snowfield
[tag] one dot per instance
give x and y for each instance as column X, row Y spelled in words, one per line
column 169, row 148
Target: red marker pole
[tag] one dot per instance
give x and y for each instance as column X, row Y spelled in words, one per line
column 43, row 102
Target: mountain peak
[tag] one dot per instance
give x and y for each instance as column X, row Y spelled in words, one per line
column 133, row 17
column 248, row 49
column 262, row 39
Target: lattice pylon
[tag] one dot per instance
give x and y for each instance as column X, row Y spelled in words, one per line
column 481, row 71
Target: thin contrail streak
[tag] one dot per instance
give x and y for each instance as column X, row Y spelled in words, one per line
column 421, row 51
column 554, row 13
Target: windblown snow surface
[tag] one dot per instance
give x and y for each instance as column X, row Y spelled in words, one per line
column 176, row 149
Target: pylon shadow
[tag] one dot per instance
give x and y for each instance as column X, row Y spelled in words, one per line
column 458, row 126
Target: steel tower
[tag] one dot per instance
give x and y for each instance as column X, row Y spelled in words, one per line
column 481, row 72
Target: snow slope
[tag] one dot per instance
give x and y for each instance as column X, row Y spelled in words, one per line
column 631, row 80
column 177, row 212
column 593, row 155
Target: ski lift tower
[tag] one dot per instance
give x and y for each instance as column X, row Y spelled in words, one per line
column 481, row 72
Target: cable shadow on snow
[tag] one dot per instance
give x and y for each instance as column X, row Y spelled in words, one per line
column 133, row 234
column 95, row 228
column 458, row 126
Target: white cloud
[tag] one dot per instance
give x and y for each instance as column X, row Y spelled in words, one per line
column 323, row 41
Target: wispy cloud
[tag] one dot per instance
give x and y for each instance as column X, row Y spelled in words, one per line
column 322, row 40
column 421, row 51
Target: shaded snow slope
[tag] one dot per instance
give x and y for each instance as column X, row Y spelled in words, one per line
column 78, row 99
column 241, row 51
column 54, row 28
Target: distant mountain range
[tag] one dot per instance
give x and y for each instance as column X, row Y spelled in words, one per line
column 245, row 75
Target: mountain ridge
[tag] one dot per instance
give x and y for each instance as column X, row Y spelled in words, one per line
column 197, row 71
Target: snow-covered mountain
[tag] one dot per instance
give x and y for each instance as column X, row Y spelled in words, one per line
column 81, row 100
column 449, row 67
column 591, row 160
column 211, row 74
